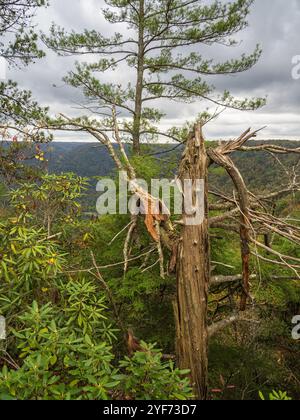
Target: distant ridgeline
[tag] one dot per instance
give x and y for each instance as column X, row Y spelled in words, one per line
column 260, row 169
column 84, row 159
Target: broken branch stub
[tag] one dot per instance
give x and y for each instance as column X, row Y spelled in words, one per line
column 154, row 209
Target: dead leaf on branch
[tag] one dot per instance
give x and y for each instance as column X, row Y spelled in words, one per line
column 153, row 209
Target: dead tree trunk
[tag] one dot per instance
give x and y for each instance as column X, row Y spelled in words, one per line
column 193, row 275
column 244, row 205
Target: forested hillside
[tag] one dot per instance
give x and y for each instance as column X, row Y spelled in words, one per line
column 242, row 358
column 93, row 160
column 261, row 172
column 149, row 263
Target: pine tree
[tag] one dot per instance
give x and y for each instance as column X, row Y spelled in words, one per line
column 16, row 19
column 160, row 51
column 19, row 47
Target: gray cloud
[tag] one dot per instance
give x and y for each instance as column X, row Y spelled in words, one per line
column 273, row 23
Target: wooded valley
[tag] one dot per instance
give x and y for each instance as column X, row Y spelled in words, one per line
column 196, row 301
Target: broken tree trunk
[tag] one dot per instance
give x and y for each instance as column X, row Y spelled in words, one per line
column 220, row 158
column 193, row 273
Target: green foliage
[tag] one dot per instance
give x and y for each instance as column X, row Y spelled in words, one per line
column 148, row 378
column 19, row 46
column 146, row 167
column 62, row 342
column 27, row 258
column 53, row 197
column 276, row 396
column 56, row 362
column 16, row 19
column 83, row 308
column 14, row 157
column 63, row 338
column 2, row 191
column 239, row 368
column 19, row 109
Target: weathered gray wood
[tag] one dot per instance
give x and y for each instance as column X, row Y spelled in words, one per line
column 193, row 275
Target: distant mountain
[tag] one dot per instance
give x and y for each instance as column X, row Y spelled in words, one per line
column 260, row 169
column 84, row 159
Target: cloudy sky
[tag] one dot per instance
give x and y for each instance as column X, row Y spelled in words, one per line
column 275, row 24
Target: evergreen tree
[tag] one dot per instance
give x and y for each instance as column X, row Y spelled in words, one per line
column 161, row 52
column 18, row 47
column 15, row 19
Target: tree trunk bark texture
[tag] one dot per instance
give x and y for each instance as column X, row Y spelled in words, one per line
column 193, row 275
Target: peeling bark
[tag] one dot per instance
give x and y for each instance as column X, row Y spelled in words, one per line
column 193, row 276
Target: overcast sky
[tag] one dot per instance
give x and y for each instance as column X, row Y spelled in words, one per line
column 275, row 24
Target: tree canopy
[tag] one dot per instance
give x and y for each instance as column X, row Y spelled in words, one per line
column 18, row 38
column 159, row 49
column 19, row 46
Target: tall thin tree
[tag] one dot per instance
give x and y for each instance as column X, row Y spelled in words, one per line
column 159, row 51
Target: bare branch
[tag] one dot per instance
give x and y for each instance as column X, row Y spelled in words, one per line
column 219, row 280
column 221, row 325
column 271, row 148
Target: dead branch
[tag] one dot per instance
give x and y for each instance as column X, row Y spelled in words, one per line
column 275, row 262
column 103, row 267
column 219, row 157
column 109, row 293
column 220, row 206
column 228, row 147
column 223, row 217
column 120, row 233
column 155, row 211
column 160, row 252
column 225, row 226
column 128, row 241
column 219, row 280
column 271, row 148
column 221, row 325
column 272, row 251
column 222, row 264
column 151, row 266
column 129, row 167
